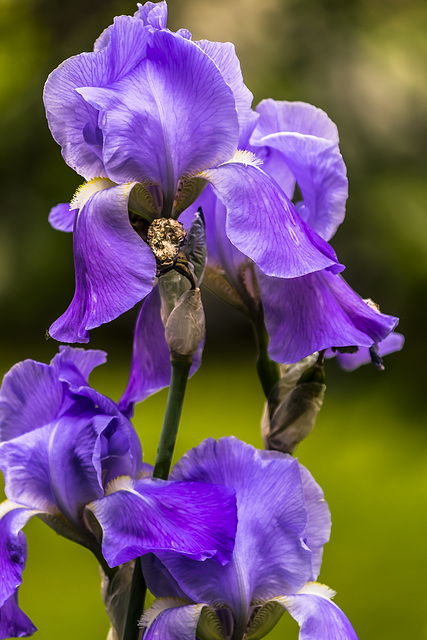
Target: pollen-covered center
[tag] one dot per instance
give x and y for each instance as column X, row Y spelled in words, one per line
column 165, row 237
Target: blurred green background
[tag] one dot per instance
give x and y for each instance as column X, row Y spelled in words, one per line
column 362, row 61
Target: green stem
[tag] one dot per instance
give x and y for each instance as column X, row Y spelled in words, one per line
column 180, row 371
column 179, row 377
column 268, row 370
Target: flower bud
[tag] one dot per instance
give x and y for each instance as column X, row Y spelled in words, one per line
column 293, row 404
column 185, row 326
column 115, row 594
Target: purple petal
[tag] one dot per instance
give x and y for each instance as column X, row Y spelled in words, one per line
column 318, row 617
column 13, row 550
column 73, row 366
column 224, row 56
column 75, row 476
column 62, row 217
column 151, row 367
column 13, row 622
column 263, row 224
column 25, row 465
column 270, row 556
column 173, row 116
column 294, row 117
column 153, row 14
column 73, row 122
column 159, row 580
column 193, row 519
column 318, row 527
column 317, row 311
column 308, row 142
column 115, row 268
column 175, row 623
column 350, row 361
column 210, row 204
column 31, row 396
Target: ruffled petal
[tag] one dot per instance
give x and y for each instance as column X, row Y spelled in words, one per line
column 173, row 622
column 172, row 117
column 151, row 367
column 350, row 361
column 270, row 556
column 73, row 366
column 13, row 549
column 294, row 117
column 153, row 14
column 264, row 225
column 75, row 476
column 74, row 123
column 224, row 56
column 30, row 396
column 308, row 142
column 115, row 268
column 317, row 311
column 318, row 527
column 62, row 217
column 25, row 465
column 13, row 621
column 318, row 617
column 187, row 518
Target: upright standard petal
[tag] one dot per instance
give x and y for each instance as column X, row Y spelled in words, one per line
column 153, row 14
column 172, row 117
column 115, row 268
column 264, row 225
column 74, row 476
column 73, row 366
column 318, row 617
column 194, row 519
column 317, row 311
column 25, row 465
column 151, row 367
column 224, row 56
column 73, row 122
column 270, row 555
column 318, row 527
column 308, row 144
column 30, row 396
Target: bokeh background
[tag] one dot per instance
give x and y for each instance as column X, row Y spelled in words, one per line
column 364, row 62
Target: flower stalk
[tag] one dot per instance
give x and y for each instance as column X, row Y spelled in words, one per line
column 175, row 401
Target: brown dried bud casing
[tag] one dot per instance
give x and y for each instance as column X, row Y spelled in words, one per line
column 165, row 237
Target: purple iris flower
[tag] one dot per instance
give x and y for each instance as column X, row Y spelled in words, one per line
column 149, row 118
column 283, row 523
column 298, row 144
column 72, row 458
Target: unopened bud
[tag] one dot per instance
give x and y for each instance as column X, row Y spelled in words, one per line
column 293, row 406
column 115, row 594
column 185, row 326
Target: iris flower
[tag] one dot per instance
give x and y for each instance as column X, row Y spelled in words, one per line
column 72, row 458
column 149, row 118
column 298, row 145
column 283, row 523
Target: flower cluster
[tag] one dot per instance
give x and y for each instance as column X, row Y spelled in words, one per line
column 186, row 185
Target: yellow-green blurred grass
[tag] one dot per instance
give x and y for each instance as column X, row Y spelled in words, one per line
column 369, row 461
